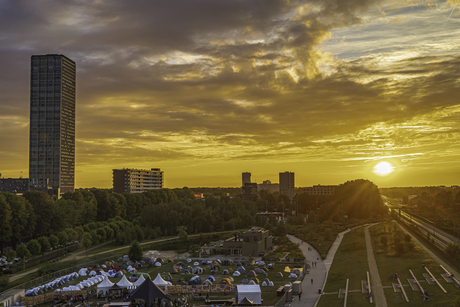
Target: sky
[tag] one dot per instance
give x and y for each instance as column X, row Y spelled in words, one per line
column 208, row 89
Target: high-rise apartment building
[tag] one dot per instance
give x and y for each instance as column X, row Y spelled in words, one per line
column 246, row 178
column 52, row 124
column 287, row 184
column 137, row 180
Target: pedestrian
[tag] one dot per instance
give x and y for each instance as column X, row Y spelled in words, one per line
column 312, row 281
column 300, row 293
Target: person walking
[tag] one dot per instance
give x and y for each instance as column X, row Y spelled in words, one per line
column 312, row 281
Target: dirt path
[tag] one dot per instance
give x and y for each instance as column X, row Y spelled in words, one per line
column 377, row 289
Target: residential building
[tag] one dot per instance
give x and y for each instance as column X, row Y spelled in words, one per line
column 14, row 185
column 254, row 242
column 129, row 180
column 52, row 124
column 320, row 189
column 269, row 186
column 287, row 184
column 246, row 178
column 250, row 190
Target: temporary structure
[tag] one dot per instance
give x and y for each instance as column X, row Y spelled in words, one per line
column 148, row 291
column 251, row 292
column 104, row 286
column 160, row 282
column 124, row 283
column 139, row 281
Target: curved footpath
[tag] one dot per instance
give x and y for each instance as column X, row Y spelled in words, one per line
column 317, row 277
column 377, row 287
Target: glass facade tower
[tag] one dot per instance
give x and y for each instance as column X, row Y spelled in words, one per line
column 52, row 124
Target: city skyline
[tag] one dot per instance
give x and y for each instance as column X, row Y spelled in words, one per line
column 206, row 90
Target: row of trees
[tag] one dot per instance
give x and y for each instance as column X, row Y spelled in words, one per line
column 99, row 215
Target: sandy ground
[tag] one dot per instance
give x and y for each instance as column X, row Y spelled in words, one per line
column 160, row 254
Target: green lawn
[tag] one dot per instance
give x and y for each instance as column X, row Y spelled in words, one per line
column 350, row 262
column 389, row 263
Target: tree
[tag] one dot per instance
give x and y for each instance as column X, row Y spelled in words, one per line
column 20, row 217
column 44, row 209
column 87, row 240
column 63, row 238
column 53, row 240
column 34, row 247
column 135, row 252
column 5, row 222
column 183, row 235
column 22, row 251
column 10, row 255
column 44, row 243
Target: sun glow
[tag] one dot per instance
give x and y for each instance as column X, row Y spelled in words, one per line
column 383, row 169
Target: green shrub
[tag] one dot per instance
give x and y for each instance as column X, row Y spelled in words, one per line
column 4, row 281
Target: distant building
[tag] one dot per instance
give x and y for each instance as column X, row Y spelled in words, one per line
column 52, row 124
column 320, row 189
column 14, row 185
column 250, row 190
column 137, row 180
column 287, row 185
column 269, row 186
column 254, row 242
column 246, row 178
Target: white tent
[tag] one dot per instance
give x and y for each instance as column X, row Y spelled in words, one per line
column 251, row 292
column 139, row 281
column 104, row 286
column 160, row 282
column 82, row 272
column 124, row 283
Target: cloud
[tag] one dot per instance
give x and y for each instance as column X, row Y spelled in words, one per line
column 239, row 80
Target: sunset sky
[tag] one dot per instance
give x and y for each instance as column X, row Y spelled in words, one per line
column 207, row 89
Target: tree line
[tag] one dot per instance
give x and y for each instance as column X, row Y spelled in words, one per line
column 99, row 215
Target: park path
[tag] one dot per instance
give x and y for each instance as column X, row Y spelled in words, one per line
column 376, row 283
column 317, row 277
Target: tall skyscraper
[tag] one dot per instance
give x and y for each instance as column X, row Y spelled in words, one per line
column 287, row 184
column 52, row 124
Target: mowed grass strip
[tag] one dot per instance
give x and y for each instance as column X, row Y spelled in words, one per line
column 350, row 262
column 390, row 261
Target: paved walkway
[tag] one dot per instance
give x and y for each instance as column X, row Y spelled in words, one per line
column 376, row 283
column 318, row 274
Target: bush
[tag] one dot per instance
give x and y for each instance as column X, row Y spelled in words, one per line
column 4, row 281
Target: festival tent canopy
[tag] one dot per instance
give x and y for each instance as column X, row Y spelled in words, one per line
column 159, row 281
column 82, row 272
column 139, row 281
column 105, row 285
column 148, row 291
column 251, row 292
column 124, row 283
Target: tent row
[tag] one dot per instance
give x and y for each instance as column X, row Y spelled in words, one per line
column 52, row 284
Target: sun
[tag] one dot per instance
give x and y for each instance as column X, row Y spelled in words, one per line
column 383, row 169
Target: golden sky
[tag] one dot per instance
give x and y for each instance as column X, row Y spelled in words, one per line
column 208, row 89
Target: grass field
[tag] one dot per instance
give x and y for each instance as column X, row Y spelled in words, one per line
column 350, row 262
column 389, row 262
